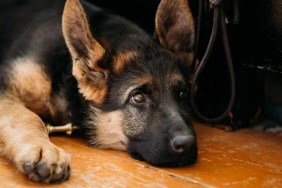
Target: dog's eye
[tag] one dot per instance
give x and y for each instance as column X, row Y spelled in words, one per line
column 183, row 94
column 138, row 98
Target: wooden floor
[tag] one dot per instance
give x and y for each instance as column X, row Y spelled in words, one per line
column 226, row 159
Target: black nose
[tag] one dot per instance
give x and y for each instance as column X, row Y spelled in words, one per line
column 182, row 143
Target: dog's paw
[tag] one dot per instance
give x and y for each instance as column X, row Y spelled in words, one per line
column 45, row 163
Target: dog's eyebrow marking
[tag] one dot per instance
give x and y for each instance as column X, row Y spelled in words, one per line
column 175, row 78
column 122, row 59
column 145, row 79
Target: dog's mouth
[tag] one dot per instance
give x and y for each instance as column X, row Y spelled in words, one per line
column 167, row 159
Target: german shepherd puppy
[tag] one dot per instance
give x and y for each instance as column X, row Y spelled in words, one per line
column 74, row 62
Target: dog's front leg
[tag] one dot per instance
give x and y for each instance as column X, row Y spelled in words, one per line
column 24, row 141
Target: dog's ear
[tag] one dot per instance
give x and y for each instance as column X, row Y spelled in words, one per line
column 174, row 25
column 86, row 53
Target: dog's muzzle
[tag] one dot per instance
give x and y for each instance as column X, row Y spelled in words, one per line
column 180, row 150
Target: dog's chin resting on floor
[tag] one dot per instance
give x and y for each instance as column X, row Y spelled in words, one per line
column 74, row 62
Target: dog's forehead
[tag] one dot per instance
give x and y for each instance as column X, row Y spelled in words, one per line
column 157, row 72
column 145, row 56
column 160, row 76
column 122, row 59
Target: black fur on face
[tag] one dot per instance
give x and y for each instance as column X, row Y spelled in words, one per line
column 152, row 93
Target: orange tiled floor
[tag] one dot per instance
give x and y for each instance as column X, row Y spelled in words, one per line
column 226, row 159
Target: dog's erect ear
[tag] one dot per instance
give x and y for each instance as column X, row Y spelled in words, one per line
column 174, row 25
column 86, row 53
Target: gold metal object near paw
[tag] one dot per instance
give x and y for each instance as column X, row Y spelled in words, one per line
column 68, row 128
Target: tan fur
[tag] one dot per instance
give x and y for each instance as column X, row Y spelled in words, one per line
column 108, row 130
column 188, row 57
column 122, row 59
column 149, row 80
column 92, row 88
column 145, row 79
column 29, row 83
column 175, row 78
column 25, row 141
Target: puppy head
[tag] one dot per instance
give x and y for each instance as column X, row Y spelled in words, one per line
column 155, row 117
column 137, row 92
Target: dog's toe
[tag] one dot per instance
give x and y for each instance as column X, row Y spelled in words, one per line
column 43, row 171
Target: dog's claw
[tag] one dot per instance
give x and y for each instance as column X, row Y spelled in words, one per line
column 28, row 167
column 43, row 171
